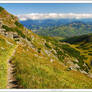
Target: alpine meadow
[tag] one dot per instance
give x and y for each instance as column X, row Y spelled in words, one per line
column 45, row 53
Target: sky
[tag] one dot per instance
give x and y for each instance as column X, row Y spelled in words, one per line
column 20, row 8
column 38, row 10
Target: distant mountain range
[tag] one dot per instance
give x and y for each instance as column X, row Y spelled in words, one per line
column 36, row 24
column 59, row 27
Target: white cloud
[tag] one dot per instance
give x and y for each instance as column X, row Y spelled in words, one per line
column 35, row 16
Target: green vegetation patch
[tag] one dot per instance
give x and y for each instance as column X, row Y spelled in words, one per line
column 7, row 28
column 18, row 24
column 1, row 9
column 13, row 30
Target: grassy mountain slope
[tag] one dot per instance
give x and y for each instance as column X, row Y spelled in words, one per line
column 39, row 72
column 6, row 48
column 84, row 45
column 41, row 62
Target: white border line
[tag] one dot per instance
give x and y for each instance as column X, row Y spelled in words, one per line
column 45, row 1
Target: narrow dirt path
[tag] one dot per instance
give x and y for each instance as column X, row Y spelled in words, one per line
column 12, row 82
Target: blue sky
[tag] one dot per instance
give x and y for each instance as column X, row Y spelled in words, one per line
column 47, row 8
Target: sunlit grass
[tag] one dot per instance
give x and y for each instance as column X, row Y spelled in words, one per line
column 5, row 53
column 36, row 72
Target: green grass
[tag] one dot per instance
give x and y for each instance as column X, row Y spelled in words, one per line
column 5, row 53
column 39, row 72
column 84, row 45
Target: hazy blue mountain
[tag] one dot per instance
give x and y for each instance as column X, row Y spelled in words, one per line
column 59, row 27
column 37, row 24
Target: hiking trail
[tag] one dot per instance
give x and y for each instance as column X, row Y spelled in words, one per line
column 12, row 82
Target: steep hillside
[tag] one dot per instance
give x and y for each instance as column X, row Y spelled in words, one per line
column 6, row 48
column 38, row 62
column 83, row 44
